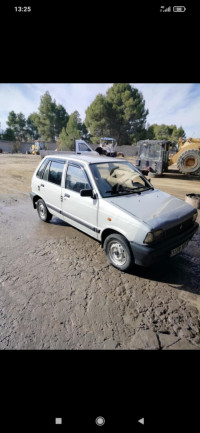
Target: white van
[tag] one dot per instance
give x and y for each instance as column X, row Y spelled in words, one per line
column 110, row 200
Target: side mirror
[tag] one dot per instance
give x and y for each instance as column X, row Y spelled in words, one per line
column 86, row 193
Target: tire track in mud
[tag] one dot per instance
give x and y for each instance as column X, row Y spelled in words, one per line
column 59, row 292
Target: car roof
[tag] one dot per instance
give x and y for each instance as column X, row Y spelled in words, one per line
column 85, row 158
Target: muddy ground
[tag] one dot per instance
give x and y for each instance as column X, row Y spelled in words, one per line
column 59, row 292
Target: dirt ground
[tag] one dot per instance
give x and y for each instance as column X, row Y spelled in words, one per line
column 59, row 292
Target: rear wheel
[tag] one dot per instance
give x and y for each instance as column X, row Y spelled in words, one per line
column 43, row 212
column 189, row 161
column 118, row 252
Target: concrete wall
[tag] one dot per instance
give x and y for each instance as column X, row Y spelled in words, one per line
column 7, row 146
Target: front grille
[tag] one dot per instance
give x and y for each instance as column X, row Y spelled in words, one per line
column 179, row 229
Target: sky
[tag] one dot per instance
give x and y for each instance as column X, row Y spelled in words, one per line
column 172, row 104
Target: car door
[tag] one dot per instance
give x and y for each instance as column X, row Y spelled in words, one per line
column 50, row 186
column 77, row 210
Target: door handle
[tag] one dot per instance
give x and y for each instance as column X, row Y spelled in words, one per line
column 67, row 195
column 42, row 184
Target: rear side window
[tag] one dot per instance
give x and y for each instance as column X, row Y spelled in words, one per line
column 55, row 172
column 42, row 168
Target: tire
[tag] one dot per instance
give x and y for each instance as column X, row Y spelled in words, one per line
column 189, row 161
column 118, row 252
column 43, row 212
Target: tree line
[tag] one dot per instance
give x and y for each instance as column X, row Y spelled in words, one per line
column 120, row 114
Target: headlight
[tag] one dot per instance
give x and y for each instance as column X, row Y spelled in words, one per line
column 149, row 238
column 195, row 216
column 154, row 236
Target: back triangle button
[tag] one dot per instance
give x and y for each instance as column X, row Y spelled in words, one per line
column 141, row 421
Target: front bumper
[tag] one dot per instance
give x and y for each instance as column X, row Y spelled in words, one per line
column 145, row 255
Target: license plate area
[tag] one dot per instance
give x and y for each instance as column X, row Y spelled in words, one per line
column 178, row 249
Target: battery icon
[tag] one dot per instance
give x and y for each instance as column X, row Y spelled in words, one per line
column 179, row 9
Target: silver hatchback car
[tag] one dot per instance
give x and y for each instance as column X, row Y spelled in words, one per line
column 110, row 200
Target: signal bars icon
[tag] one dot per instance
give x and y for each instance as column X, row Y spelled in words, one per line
column 163, row 9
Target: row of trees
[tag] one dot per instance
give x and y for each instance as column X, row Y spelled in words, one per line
column 164, row 132
column 47, row 123
column 50, row 123
column 121, row 114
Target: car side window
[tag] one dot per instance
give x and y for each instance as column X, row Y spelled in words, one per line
column 42, row 168
column 83, row 147
column 76, row 178
column 46, row 172
column 55, row 172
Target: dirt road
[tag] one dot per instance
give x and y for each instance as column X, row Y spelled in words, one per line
column 58, row 291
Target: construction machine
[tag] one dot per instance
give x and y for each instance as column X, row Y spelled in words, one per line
column 37, row 147
column 188, row 156
column 107, row 147
column 154, row 156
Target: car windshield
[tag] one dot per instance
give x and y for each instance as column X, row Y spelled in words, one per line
column 118, row 178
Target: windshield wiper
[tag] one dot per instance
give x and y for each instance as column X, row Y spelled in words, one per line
column 127, row 190
column 123, row 191
column 146, row 188
column 142, row 188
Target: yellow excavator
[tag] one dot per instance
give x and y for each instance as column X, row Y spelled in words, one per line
column 37, row 147
column 154, row 156
column 188, row 156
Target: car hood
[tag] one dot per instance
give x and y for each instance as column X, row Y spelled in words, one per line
column 154, row 207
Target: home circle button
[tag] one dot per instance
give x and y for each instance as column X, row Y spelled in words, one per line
column 100, row 421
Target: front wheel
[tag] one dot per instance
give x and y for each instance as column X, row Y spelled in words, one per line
column 118, row 252
column 43, row 212
column 189, row 162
